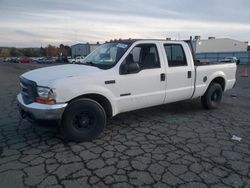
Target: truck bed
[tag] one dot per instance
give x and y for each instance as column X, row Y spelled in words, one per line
column 204, row 75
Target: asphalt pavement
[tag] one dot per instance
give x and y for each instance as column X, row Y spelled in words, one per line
column 173, row 145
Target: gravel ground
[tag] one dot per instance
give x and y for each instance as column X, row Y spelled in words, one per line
column 174, row 145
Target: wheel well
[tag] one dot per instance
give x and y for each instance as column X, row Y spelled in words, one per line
column 220, row 81
column 103, row 101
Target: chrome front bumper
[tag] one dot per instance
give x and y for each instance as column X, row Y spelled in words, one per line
column 37, row 111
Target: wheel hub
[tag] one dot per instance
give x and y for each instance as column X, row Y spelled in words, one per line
column 82, row 121
column 215, row 96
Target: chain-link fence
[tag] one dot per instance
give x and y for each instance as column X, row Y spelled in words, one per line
column 244, row 57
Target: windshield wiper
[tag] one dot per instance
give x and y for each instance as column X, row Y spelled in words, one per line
column 89, row 63
column 100, row 66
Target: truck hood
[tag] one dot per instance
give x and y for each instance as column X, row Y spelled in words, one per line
column 46, row 76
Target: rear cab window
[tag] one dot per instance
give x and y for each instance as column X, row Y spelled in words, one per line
column 175, row 55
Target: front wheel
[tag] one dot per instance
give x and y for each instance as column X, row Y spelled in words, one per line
column 83, row 120
column 212, row 98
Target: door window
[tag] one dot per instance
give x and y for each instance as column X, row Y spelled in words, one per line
column 175, row 54
column 146, row 55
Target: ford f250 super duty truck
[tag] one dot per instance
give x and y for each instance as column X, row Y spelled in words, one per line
column 119, row 77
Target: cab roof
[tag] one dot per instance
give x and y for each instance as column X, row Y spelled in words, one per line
column 135, row 40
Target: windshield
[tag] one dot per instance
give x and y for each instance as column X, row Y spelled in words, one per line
column 107, row 55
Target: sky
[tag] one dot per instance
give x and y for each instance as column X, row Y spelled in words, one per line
column 32, row 23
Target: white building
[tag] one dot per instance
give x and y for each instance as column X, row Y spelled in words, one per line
column 218, row 45
column 80, row 49
column 83, row 49
column 94, row 46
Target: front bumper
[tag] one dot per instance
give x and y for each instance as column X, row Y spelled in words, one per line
column 37, row 111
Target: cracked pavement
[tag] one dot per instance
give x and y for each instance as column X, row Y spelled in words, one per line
column 173, row 145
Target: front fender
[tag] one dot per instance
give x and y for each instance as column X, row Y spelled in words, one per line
column 67, row 90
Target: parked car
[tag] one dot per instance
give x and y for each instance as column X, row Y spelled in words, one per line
column 46, row 60
column 71, row 60
column 120, row 77
column 24, row 60
column 231, row 59
column 10, row 59
column 7, row 59
column 79, row 59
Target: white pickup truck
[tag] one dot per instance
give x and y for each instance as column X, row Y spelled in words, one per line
column 119, row 77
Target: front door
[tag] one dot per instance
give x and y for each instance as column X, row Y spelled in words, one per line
column 146, row 87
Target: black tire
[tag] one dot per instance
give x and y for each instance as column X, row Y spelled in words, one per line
column 83, row 120
column 212, row 98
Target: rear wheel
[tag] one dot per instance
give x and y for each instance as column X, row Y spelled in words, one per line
column 83, row 120
column 212, row 98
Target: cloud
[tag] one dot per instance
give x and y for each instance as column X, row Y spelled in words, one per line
column 30, row 23
column 26, row 33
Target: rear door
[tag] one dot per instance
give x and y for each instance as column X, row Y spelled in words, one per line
column 180, row 76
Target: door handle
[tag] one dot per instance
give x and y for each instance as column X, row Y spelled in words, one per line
column 189, row 75
column 163, row 77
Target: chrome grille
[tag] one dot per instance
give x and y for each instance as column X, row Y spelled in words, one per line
column 28, row 90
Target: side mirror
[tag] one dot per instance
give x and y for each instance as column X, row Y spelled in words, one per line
column 133, row 68
column 129, row 68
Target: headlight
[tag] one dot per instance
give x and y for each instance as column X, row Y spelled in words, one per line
column 45, row 92
column 45, row 95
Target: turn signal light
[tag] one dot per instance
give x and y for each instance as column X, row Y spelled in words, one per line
column 45, row 101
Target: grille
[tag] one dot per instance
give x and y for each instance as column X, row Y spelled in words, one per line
column 28, row 90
